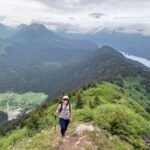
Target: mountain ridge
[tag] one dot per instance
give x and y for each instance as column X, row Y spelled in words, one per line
column 133, row 43
column 102, row 63
column 115, row 113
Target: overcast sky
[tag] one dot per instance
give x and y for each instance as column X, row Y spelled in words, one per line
column 82, row 16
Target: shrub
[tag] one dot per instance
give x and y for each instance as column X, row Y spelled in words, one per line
column 32, row 121
column 79, row 102
column 84, row 115
column 96, row 102
column 120, row 120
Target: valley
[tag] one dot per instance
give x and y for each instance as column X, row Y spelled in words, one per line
column 16, row 104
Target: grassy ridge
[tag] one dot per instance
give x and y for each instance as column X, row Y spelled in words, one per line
column 105, row 105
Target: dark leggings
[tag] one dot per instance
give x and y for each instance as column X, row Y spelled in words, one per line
column 63, row 125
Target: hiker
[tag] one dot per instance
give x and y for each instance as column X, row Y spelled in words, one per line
column 64, row 111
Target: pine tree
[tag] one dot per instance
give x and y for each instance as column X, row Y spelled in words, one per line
column 79, row 102
column 91, row 104
column 96, row 101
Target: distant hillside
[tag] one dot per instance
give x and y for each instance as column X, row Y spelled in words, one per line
column 103, row 63
column 135, row 44
column 3, row 45
column 34, row 45
column 5, row 31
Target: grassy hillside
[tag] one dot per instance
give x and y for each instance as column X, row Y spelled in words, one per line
column 135, row 88
column 121, row 117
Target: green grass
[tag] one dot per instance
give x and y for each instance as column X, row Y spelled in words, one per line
column 12, row 138
column 104, row 141
column 102, row 92
column 41, row 140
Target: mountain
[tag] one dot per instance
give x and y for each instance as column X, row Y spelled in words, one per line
column 33, row 32
column 36, row 46
column 5, row 31
column 103, row 63
column 35, row 52
column 3, row 45
column 39, row 34
column 132, row 43
column 135, row 44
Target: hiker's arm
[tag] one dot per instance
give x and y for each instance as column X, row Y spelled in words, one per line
column 57, row 110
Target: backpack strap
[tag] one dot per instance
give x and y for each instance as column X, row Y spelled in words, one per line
column 61, row 107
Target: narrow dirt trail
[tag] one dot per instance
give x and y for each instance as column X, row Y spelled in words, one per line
column 76, row 141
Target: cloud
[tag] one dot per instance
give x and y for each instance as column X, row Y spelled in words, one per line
column 82, row 16
column 72, row 4
column 96, row 15
column 65, row 27
column 58, row 25
column 135, row 28
column 2, row 18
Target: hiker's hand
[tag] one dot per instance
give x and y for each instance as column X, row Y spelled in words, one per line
column 56, row 112
column 71, row 119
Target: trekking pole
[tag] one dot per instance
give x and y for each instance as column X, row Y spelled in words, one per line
column 55, row 121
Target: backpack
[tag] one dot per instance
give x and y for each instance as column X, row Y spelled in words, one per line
column 62, row 106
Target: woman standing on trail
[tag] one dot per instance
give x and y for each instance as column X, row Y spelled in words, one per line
column 64, row 111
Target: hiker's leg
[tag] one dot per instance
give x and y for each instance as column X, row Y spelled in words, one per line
column 62, row 126
column 66, row 124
